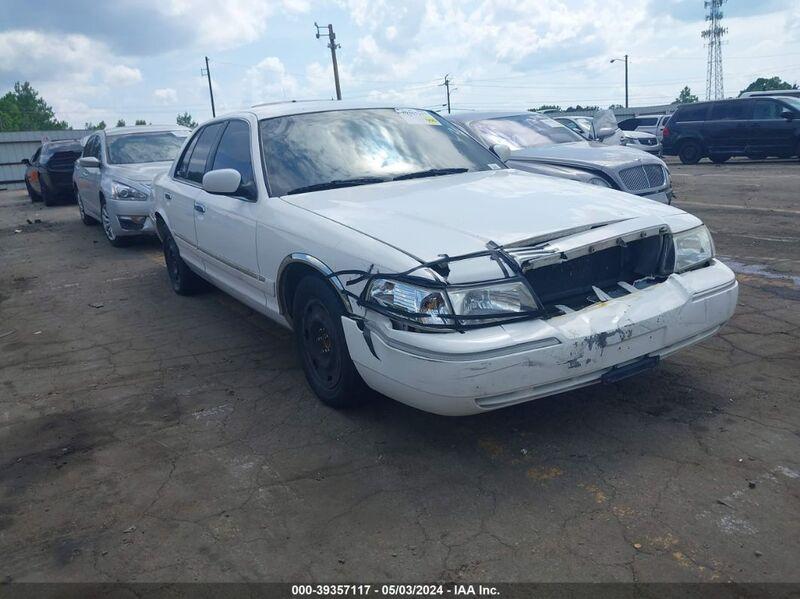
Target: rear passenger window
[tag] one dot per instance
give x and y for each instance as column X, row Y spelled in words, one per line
column 647, row 122
column 183, row 164
column 766, row 109
column 731, row 111
column 691, row 113
column 234, row 152
column 205, row 141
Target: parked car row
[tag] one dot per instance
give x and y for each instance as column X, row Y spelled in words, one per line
column 458, row 266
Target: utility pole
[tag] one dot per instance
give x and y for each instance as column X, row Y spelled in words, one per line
column 207, row 73
column 333, row 46
column 626, row 75
column 446, row 85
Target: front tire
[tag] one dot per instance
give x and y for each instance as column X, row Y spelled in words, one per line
column 184, row 280
column 690, row 152
column 113, row 238
column 35, row 197
column 47, row 195
column 321, row 347
column 85, row 218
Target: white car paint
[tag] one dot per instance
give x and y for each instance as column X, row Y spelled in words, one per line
column 244, row 246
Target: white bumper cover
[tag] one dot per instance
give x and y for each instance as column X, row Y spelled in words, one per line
column 466, row 373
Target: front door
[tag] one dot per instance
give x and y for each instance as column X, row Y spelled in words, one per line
column 771, row 134
column 226, row 224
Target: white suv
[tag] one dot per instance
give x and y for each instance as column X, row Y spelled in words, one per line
column 408, row 259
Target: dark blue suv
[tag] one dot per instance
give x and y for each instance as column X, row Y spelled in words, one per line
column 758, row 127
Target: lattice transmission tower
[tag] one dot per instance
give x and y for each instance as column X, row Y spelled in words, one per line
column 715, row 87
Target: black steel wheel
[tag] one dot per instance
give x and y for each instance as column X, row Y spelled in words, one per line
column 690, row 152
column 183, row 279
column 321, row 345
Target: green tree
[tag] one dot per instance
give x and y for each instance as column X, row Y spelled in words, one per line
column 764, row 84
column 544, row 107
column 24, row 110
column 686, row 97
column 121, row 123
column 91, row 125
column 140, row 122
column 185, row 120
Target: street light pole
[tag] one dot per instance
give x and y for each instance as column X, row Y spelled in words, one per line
column 333, row 46
column 626, row 76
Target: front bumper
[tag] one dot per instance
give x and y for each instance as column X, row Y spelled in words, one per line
column 131, row 217
column 457, row 374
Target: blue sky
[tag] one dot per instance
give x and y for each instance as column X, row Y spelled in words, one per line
column 142, row 58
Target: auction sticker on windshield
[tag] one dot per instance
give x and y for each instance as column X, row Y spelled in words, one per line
column 416, row 117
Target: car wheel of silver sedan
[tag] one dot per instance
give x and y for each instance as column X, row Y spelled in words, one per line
column 112, row 237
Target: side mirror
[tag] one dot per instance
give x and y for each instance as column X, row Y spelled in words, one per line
column 223, row 181
column 26, row 162
column 788, row 115
column 502, row 150
column 89, row 162
column 604, row 132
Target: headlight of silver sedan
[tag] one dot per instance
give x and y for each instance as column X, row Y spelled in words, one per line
column 692, row 248
column 124, row 191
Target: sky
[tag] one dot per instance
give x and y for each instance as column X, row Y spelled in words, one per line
column 142, row 59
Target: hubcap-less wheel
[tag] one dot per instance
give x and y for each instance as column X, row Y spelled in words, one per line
column 109, row 231
column 171, row 258
column 320, row 352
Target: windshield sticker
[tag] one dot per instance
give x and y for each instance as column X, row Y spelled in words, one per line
column 416, row 117
column 493, row 166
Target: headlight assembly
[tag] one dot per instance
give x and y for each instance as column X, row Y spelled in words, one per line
column 498, row 300
column 123, row 191
column 692, row 248
column 418, row 303
column 599, row 181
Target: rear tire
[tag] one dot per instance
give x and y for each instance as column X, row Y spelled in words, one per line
column 690, row 152
column 321, row 347
column 720, row 159
column 184, row 280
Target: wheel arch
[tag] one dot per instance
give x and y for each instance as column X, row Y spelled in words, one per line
column 293, row 269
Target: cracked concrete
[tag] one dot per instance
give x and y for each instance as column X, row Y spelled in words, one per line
column 163, row 438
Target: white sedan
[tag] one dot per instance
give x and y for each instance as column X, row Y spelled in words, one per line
column 408, row 259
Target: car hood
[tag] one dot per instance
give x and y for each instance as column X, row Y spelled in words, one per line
column 586, row 155
column 140, row 173
column 457, row 214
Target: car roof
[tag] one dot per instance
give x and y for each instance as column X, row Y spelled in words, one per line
column 144, row 129
column 290, row 107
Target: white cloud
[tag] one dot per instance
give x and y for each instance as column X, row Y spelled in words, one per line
column 269, row 81
column 120, row 74
column 166, row 96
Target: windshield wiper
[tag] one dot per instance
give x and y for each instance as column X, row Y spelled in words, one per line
column 434, row 172
column 336, row 184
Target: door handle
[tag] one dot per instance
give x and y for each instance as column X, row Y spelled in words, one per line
column 200, row 208
column 167, row 196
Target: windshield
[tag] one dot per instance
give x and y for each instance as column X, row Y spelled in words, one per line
column 523, row 131
column 340, row 148
column 133, row 148
column 793, row 102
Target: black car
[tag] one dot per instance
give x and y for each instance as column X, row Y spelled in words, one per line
column 49, row 173
column 754, row 127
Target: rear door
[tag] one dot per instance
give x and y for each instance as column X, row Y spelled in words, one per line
column 181, row 189
column 729, row 127
column 89, row 178
column 226, row 224
column 771, row 134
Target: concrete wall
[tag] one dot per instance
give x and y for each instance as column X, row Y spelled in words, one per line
column 16, row 145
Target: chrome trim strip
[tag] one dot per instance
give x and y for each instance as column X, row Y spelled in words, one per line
column 317, row 265
column 244, row 271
